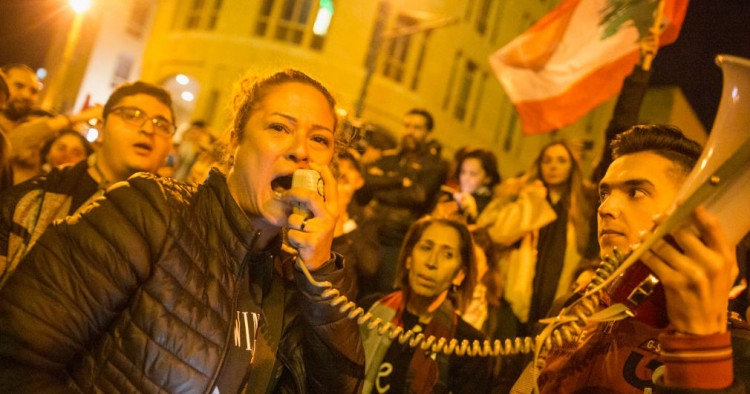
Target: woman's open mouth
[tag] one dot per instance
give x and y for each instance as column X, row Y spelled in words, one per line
column 281, row 184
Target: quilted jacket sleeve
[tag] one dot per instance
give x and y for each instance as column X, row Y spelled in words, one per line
column 333, row 352
column 73, row 283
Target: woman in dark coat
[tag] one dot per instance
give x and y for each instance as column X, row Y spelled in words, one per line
column 168, row 287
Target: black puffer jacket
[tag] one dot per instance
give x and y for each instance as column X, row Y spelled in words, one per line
column 137, row 295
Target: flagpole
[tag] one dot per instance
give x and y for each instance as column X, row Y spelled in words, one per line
column 651, row 47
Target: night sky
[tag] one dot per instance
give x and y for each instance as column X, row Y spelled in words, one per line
column 711, row 27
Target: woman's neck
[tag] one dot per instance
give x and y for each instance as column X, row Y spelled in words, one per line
column 554, row 192
column 424, row 307
column 267, row 230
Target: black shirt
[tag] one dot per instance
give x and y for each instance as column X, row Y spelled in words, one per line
column 393, row 369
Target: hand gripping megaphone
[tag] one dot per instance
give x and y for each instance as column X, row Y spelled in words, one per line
column 720, row 181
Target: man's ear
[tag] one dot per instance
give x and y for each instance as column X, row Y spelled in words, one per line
column 102, row 131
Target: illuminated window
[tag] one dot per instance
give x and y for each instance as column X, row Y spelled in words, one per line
column 299, row 22
column 322, row 23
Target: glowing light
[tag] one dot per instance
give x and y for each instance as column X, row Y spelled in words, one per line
column 41, row 73
column 92, row 134
column 80, row 6
column 735, row 94
column 182, row 79
column 187, row 96
column 323, row 19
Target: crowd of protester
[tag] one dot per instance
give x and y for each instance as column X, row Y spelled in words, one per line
column 197, row 275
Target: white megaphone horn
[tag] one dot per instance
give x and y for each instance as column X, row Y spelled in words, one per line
column 724, row 168
column 720, row 181
column 721, row 178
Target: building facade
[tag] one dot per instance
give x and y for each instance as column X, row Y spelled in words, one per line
column 106, row 45
column 379, row 58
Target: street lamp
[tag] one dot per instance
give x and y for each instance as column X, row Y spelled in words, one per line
column 53, row 97
column 80, row 6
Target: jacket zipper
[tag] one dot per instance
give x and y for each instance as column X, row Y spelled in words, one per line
column 225, row 350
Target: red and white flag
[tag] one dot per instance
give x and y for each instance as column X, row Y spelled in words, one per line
column 577, row 56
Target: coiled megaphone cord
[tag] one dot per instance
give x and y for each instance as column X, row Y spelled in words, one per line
column 562, row 329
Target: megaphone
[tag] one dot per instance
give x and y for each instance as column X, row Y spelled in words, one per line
column 720, row 181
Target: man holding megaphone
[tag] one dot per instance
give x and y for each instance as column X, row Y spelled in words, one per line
column 682, row 339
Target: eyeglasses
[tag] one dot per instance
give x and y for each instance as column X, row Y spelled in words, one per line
column 137, row 117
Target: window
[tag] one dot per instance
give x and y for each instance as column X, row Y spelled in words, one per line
column 451, row 80
column 420, row 61
column 264, row 18
column 122, row 69
column 194, row 14
column 397, row 49
column 482, row 16
column 299, row 22
column 496, row 26
column 478, row 100
column 469, row 8
column 293, row 20
column 214, row 14
column 510, row 131
column 202, row 14
column 138, row 18
column 464, row 90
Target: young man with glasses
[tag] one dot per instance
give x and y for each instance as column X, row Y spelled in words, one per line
column 136, row 136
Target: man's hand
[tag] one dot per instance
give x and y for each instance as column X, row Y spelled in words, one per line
column 466, row 203
column 697, row 275
column 93, row 112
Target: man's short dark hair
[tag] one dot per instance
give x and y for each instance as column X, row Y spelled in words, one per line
column 664, row 140
column 139, row 87
column 428, row 121
column 16, row 66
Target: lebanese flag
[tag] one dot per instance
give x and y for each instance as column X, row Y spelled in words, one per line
column 572, row 60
